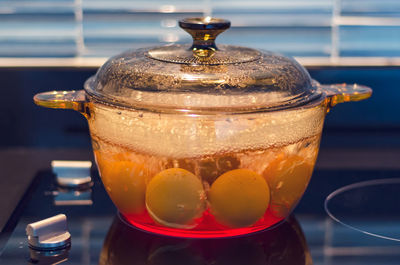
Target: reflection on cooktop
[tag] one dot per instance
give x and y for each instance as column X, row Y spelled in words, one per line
column 284, row 245
column 123, row 244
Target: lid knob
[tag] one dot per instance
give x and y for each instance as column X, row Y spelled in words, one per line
column 204, row 31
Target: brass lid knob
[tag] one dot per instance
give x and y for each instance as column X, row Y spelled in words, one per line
column 204, row 31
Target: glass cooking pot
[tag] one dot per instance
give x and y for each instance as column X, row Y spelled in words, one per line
column 204, row 141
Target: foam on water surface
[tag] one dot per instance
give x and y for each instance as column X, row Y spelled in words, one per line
column 183, row 136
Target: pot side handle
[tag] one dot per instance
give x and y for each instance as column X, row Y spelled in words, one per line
column 339, row 93
column 75, row 100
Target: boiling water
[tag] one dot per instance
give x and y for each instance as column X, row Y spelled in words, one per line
column 127, row 173
column 205, row 175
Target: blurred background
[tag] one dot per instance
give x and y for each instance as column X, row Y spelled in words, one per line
column 57, row 44
column 100, row 28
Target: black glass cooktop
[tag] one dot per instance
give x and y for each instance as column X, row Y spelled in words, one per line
column 99, row 236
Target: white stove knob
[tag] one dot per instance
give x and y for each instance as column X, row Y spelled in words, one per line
column 72, row 174
column 49, row 234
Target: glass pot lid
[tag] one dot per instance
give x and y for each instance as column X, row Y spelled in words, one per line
column 202, row 76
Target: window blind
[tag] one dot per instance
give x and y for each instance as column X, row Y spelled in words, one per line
column 99, row 28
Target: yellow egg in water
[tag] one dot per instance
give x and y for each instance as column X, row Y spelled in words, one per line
column 125, row 182
column 287, row 177
column 239, row 198
column 175, row 198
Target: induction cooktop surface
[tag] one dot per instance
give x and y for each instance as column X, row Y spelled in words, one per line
column 100, row 236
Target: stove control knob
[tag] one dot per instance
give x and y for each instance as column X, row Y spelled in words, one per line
column 72, row 174
column 49, row 234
